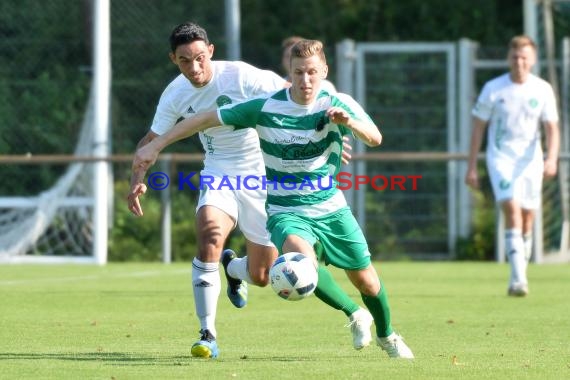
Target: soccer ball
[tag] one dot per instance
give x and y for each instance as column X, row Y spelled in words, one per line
column 293, row 276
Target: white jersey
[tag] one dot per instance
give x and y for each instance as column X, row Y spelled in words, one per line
column 514, row 112
column 227, row 151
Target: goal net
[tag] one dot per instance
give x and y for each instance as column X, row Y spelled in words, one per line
column 66, row 223
column 56, row 225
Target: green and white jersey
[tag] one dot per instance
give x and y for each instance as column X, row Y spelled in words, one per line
column 301, row 149
column 227, row 152
column 514, row 112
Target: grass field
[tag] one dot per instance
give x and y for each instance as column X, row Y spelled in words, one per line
column 136, row 321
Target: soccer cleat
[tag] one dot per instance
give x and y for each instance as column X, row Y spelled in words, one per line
column 360, row 322
column 395, row 347
column 206, row 347
column 237, row 289
column 518, row 290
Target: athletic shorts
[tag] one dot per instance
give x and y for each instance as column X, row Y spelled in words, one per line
column 245, row 206
column 342, row 241
column 521, row 183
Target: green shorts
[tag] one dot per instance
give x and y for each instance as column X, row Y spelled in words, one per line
column 343, row 243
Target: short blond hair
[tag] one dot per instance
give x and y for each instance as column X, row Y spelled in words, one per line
column 518, row 42
column 308, row 48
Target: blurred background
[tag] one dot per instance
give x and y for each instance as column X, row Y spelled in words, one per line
column 415, row 65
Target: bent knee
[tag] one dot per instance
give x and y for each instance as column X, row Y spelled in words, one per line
column 260, row 279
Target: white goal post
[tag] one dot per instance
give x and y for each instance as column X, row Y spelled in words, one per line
column 68, row 223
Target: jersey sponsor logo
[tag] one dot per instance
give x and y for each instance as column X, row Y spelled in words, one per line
column 533, row 103
column 302, row 151
column 190, row 110
column 222, row 100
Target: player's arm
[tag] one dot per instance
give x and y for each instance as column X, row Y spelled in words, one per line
column 366, row 131
column 138, row 188
column 552, row 132
column 146, row 155
column 477, row 134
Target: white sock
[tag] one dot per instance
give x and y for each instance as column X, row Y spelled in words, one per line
column 206, row 285
column 527, row 238
column 515, row 251
column 237, row 268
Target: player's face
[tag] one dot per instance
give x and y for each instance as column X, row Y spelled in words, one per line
column 194, row 62
column 306, row 77
column 521, row 62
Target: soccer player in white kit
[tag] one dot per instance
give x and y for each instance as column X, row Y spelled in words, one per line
column 205, row 85
column 513, row 106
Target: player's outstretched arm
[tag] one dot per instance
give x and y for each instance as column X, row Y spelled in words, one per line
column 146, row 156
column 367, row 132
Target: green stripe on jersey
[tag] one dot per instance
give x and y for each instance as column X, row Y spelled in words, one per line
column 294, row 200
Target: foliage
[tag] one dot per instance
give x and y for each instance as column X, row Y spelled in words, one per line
column 480, row 245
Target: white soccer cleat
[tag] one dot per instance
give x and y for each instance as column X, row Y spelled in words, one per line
column 518, row 290
column 395, row 347
column 360, row 323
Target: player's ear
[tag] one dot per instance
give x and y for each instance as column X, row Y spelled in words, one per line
column 325, row 71
column 211, row 50
column 173, row 58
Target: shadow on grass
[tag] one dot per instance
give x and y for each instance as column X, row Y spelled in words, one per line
column 137, row 359
column 110, row 357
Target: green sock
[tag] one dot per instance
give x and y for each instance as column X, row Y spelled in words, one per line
column 330, row 293
column 380, row 310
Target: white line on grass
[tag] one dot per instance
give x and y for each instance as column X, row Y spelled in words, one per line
column 90, row 277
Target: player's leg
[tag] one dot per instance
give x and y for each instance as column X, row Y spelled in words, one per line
column 509, row 187
column 375, row 297
column 212, row 228
column 293, row 234
column 346, row 248
column 527, row 226
column 253, row 268
column 514, row 245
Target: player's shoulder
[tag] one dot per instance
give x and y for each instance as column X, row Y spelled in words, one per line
column 233, row 67
column 500, row 81
column 538, row 81
column 175, row 87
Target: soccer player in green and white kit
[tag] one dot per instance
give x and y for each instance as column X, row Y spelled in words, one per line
column 300, row 131
column 203, row 85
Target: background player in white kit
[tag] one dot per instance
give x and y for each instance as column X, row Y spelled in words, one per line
column 514, row 105
column 205, row 85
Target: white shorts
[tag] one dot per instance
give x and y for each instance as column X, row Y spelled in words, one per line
column 522, row 183
column 245, row 206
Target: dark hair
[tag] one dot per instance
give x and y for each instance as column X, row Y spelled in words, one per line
column 186, row 33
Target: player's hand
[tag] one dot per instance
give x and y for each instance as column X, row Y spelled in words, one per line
column 550, row 167
column 472, row 179
column 338, row 115
column 346, row 150
column 133, row 200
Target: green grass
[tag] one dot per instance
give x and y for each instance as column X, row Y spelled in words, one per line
column 136, row 321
